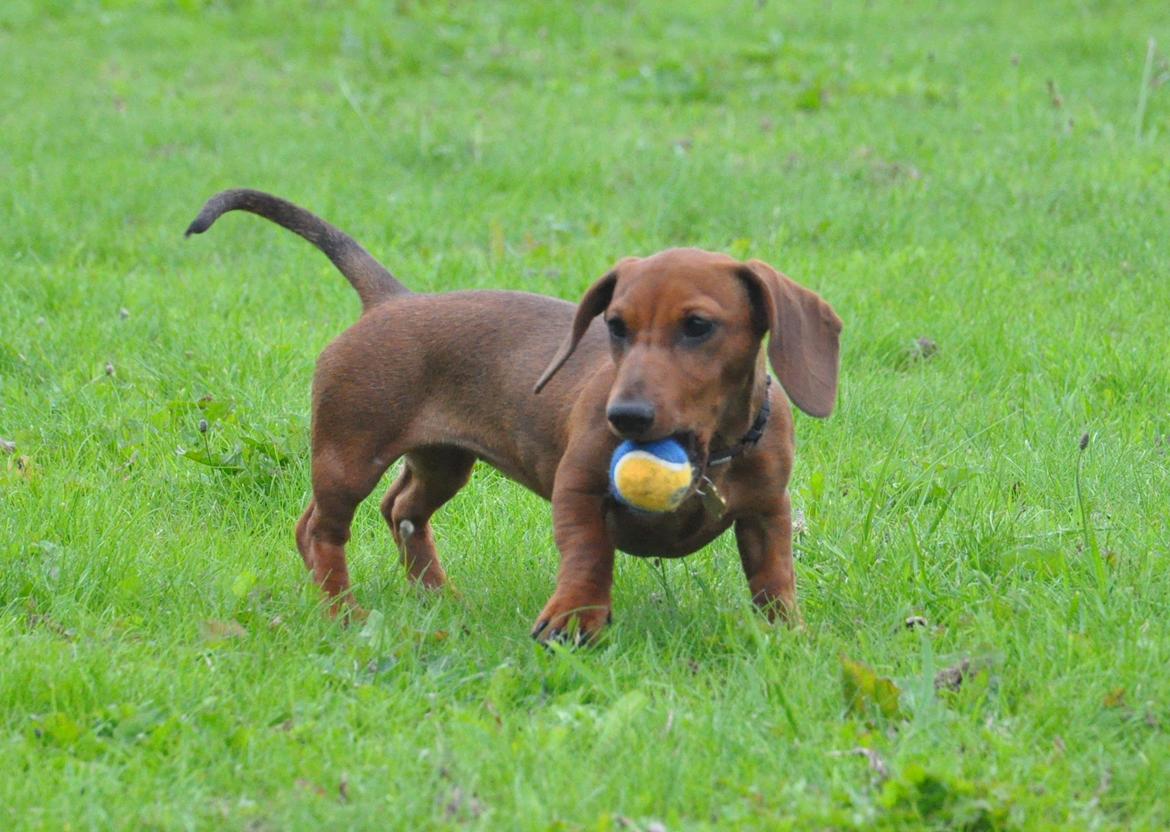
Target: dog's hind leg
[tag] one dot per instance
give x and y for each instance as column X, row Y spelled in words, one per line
column 302, row 534
column 342, row 478
column 431, row 477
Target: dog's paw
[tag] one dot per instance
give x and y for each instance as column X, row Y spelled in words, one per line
column 346, row 611
column 779, row 610
column 570, row 621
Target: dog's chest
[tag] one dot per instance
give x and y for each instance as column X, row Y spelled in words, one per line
column 670, row 535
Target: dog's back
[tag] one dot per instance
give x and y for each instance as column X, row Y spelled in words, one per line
column 426, row 370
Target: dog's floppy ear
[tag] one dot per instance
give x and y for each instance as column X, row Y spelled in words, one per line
column 804, row 332
column 592, row 305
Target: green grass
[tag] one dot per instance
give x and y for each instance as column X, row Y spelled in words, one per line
column 988, row 175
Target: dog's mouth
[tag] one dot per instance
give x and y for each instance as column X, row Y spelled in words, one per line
column 695, row 448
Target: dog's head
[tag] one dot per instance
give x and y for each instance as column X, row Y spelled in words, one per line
column 685, row 329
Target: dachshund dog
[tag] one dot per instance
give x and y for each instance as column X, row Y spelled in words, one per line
column 665, row 346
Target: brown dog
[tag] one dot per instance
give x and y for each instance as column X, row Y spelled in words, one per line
column 444, row 380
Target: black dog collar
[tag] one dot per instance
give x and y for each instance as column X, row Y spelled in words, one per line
column 749, row 439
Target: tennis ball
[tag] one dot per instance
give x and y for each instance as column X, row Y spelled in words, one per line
column 651, row 476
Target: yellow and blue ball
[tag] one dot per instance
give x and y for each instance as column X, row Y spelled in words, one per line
column 651, row 476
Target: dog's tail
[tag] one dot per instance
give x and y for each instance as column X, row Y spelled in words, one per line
column 369, row 277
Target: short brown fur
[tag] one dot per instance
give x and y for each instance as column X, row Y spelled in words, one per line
column 443, row 380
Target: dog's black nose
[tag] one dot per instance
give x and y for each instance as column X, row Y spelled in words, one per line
column 631, row 418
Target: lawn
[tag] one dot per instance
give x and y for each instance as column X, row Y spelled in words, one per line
column 981, row 190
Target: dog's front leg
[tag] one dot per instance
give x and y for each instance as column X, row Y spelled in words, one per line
column 580, row 606
column 765, row 550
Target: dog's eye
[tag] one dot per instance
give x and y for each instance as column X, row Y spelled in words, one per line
column 617, row 329
column 695, row 328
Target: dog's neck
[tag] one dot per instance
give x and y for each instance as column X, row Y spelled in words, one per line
column 745, row 407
